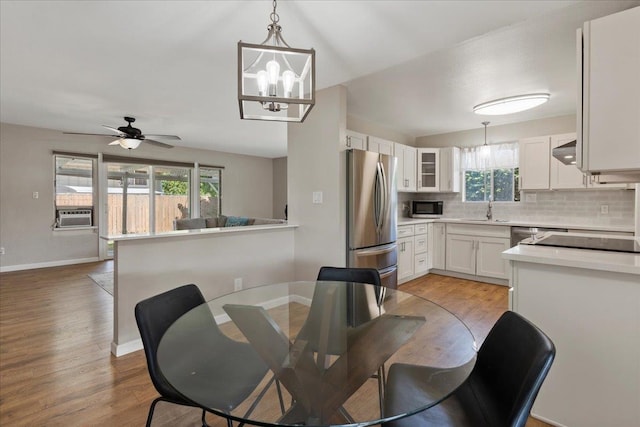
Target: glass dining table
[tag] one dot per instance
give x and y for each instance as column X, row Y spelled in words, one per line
column 316, row 351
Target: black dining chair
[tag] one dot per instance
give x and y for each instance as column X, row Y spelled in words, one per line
column 355, row 275
column 156, row 314
column 511, row 366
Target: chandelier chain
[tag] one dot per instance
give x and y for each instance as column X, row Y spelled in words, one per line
column 274, row 16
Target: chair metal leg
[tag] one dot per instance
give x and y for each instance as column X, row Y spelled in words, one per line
column 204, row 421
column 151, row 409
column 280, row 397
column 381, row 382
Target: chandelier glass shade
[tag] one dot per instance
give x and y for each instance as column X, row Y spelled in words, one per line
column 512, row 104
column 275, row 81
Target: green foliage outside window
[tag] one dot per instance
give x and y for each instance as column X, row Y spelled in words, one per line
column 501, row 184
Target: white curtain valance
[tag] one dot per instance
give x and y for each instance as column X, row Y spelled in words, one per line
column 494, row 156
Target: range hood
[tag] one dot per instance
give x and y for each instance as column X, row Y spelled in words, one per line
column 566, row 153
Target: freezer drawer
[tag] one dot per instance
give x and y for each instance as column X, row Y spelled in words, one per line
column 378, row 257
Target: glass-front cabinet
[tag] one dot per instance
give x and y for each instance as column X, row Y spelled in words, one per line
column 428, row 169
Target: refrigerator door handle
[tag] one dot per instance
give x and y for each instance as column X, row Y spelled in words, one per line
column 377, row 251
column 385, row 196
column 381, row 197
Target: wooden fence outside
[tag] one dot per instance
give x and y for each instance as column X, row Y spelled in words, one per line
column 137, row 210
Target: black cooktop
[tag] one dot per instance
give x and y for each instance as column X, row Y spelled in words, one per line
column 585, row 242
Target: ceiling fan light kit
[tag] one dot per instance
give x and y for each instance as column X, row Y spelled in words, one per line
column 511, row 104
column 128, row 143
column 275, row 81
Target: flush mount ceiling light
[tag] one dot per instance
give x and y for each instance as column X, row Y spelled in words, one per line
column 275, row 81
column 512, row 104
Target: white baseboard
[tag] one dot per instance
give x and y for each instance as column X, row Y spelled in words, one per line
column 19, row 267
column 126, row 348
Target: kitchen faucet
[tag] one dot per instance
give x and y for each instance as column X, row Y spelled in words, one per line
column 489, row 209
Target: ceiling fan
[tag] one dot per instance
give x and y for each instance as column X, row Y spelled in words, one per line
column 130, row 137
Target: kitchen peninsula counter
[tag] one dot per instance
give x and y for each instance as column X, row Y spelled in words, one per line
column 195, row 232
column 217, row 260
column 588, row 302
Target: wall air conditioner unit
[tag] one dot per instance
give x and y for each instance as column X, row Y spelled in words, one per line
column 74, row 217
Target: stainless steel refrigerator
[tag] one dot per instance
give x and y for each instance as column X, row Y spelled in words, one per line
column 371, row 213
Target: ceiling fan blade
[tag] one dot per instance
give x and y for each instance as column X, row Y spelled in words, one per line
column 157, row 143
column 116, row 142
column 171, row 137
column 89, row 134
column 112, row 129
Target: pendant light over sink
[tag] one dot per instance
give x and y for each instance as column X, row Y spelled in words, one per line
column 484, row 151
column 512, row 104
column 275, row 81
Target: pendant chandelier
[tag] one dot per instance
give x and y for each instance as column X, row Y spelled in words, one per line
column 275, row 81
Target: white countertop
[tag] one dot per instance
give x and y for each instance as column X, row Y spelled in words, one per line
column 198, row 232
column 519, row 223
column 618, row 262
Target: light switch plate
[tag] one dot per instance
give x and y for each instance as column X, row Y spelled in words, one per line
column 317, row 197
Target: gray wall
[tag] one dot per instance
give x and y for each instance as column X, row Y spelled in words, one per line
column 26, row 165
column 279, row 187
column 315, row 163
column 367, row 127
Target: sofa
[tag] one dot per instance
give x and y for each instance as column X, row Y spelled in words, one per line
column 222, row 221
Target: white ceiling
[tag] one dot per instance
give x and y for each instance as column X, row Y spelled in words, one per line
column 416, row 67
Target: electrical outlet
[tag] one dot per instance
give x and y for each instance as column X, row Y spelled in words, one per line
column 35, row 194
column 604, row 209
column 237, row 284
column 2, row 251
column 531, row 198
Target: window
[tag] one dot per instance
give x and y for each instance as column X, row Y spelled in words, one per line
column 210, row 191
column 74, row 184
column 491, row 171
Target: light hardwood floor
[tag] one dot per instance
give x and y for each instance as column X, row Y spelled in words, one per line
column 56, row 368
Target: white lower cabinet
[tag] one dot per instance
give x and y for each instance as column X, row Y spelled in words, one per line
column 438, row 240
column 405, row 258
column 421, row 249
column 413, row 251
column 477, row 250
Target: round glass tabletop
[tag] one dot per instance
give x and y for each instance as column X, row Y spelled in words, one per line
column 313, row 353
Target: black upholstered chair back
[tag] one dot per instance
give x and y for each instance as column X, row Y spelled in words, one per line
column 154, row 316
column 512, row 364
column 358, row 275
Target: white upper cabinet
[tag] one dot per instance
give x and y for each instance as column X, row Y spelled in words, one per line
column 449, row 170
column 428, row 169
column 406, row 171
column 565, row 176
column 355, row 140
column 535, row 157
column 380, row 145
column 609, row 99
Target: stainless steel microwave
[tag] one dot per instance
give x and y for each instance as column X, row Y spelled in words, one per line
column 426, row 208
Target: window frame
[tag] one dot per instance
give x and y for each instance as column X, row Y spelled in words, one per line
column 515, row 173
column 94, row 190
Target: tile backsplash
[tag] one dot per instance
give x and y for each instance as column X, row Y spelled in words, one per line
column 580, row 207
